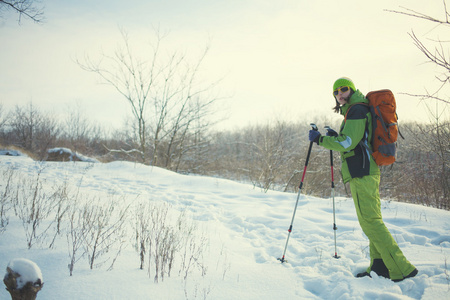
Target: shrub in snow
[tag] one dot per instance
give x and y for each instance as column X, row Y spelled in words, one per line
column 6, row 196
column 23, row 279
column 105, row 232
column 164, row 237
column 33, row 204
column 96, row 230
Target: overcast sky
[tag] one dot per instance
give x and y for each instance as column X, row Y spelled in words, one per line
column 279, row 59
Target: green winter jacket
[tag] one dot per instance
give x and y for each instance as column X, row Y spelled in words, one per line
column 356, row 159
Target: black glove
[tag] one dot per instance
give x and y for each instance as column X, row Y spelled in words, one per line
column 331, row 132
column 314, row 136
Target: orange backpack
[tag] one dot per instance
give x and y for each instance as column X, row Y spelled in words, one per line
column 384, row 126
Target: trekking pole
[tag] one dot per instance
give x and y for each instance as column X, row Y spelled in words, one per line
column 314, row 127
column 333, row 193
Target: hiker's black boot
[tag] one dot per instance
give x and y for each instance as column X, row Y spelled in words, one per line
column 380, row 268
column 412, row 274
column 363, row 274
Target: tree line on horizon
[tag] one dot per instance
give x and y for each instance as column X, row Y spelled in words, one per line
column 270, row 156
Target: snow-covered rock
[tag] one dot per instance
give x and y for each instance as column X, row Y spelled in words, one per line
column 24, row 271
column 65, row 154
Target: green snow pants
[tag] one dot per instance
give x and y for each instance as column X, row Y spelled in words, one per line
column 365, row 193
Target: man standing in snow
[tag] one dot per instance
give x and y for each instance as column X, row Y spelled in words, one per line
column 363, row 174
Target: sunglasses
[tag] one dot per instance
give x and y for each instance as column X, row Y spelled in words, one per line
column 343, row 89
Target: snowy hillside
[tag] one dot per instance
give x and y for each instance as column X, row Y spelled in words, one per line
column 239, row 232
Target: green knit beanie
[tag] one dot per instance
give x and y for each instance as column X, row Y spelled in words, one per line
column 344, row 81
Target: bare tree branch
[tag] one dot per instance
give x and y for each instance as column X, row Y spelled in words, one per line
column 426, row 96
column 415, row 14
column 25, row 8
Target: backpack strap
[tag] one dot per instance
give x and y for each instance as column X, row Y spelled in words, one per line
column 345, row 120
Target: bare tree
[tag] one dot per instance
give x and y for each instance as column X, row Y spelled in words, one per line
column 2, row 124
column 270, row 155
column 432, row 141
column 2, row 117
column 438, row 55
column 423, row 173
column 77, row 129
column 32, row 130
column 164, row 94
column 27, row 8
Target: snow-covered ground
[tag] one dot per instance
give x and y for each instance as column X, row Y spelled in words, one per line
column 245, row 230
